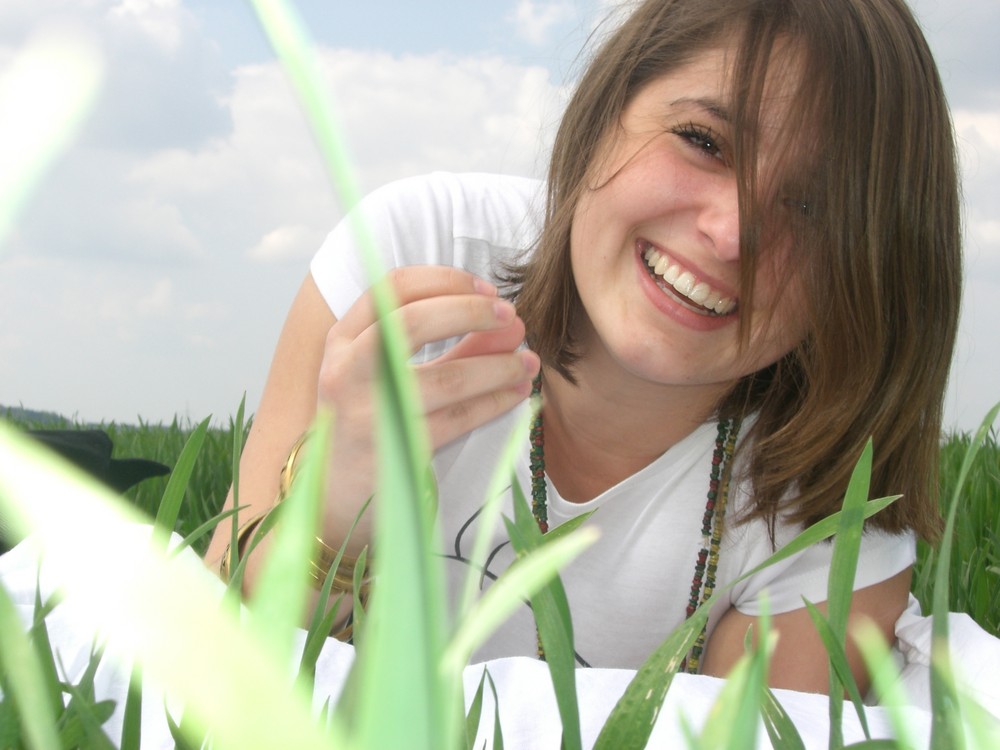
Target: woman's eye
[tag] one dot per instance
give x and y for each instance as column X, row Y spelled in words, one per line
column 797, row 205
column 702, row 139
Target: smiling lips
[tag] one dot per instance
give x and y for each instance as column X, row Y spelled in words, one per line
column 688, row 290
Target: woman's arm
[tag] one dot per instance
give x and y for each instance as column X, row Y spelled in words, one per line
column 322, row 360
column 286, row 409
column 800, row 660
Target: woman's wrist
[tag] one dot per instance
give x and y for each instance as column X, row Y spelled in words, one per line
column 321, row 564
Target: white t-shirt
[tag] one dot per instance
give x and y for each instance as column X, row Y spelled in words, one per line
column 629, row 590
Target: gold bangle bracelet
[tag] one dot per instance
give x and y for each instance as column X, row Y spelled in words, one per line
column 319, row 569
column 248, row 527
column 287, row 475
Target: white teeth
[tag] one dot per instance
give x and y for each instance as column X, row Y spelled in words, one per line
column 699, row 292
column 685, row 283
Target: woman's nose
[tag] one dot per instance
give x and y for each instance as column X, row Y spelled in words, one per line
column 719, row 220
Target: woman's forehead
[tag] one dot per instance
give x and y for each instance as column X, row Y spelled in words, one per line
column 707, row 81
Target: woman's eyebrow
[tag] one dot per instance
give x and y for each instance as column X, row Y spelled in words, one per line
column 711, row 106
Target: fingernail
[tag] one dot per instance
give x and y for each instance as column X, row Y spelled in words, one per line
column 484, row 287
column 503, row 310
column 523, row 389
column 530, row 361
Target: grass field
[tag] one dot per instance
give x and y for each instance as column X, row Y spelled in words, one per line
column 975, row 569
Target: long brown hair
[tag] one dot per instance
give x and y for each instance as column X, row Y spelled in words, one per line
column 876, row 243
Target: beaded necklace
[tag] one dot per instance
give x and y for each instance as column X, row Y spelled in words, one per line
column 707, row 561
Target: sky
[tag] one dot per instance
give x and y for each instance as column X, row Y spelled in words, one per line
column 150, row 273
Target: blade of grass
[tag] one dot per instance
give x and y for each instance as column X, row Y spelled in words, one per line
column 235, row 585
column 316, row 639
column 132, row 716
column 398, row 657
column 838, row 662
column 780, row 728
column 983, row 728
column 85, row 720
column 236, row 577
column 200, row 531
column 358, row 614
column 10, row 727
column 524, row 577
column 45, row 93
column 840, row 583
column 475, row 714
column 324, row 616
column 946, row 730
column 731, row 723
column 885, row 680
column 399, row 665
column 173, row 495
column 279, row 599
column 39, row 635
column 489, row 516
column 26, row 678
column 552, row 618
column 497, row 729
column 180, row 736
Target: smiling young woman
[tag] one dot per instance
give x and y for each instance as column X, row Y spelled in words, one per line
column 724, row 293
column 875, row 271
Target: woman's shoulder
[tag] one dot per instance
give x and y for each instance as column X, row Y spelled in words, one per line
column 502, row 209
column 463, row 220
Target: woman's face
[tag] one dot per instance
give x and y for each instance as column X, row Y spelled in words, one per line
column 655, row 240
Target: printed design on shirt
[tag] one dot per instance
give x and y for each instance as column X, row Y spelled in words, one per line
column 491, row 567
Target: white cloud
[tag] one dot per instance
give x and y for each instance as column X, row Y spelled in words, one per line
column 263, row 189
column 978, row 134
column 287, row 243
column 978, row 131
column 160, row 21
column 534, row 20
column 158, row 300
column 990, row 232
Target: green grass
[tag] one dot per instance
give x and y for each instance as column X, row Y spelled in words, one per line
column 975, row 564
column 975, row 559
column 210, row 479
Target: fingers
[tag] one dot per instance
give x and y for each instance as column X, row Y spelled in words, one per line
column 484, row 375
column 464, row 394
column 442, row 384
column 439, row 318
column 410, row 284
column 505, row 339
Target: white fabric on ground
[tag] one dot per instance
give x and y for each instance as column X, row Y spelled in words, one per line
column 527, row 705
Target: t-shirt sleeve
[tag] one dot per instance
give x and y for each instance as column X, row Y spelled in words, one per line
column 470, row 221
column 805, row 575
column 407, row 222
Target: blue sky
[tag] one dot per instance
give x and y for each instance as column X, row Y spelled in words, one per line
column 150, row 274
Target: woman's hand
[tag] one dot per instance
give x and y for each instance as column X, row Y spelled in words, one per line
column 320, row 360
column 483, row 376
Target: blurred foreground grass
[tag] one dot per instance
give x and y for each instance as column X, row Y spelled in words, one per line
column 975, row 565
